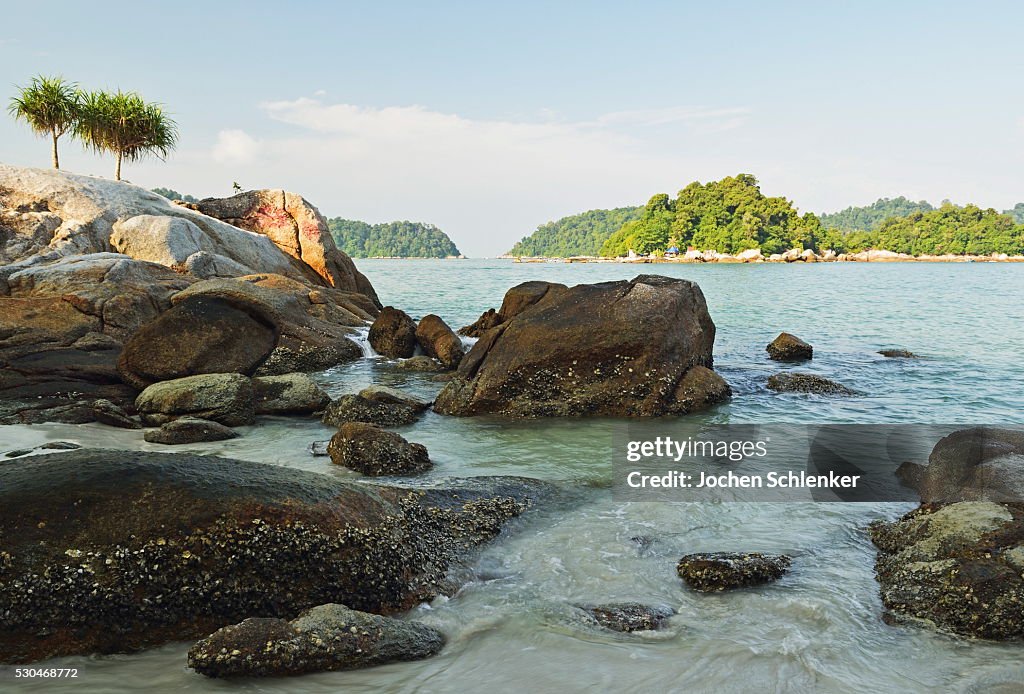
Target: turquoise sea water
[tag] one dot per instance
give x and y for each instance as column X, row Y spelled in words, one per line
column 817, row 629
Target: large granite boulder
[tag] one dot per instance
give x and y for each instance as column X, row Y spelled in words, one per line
column 296, row 227
column 614, row 349
column 113, row 551
column 393, row 334
column 199, row 335
column 372, row 451
column 439, row 341
column 324, row 638
column 288, row 394
column 225, row 398
column 356, row 408
column 957, row 567
column 314, row 326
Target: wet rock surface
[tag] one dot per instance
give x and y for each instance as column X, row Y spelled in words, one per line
column 613, row 349
column 393, row 334
column 629, row 616
column 719, row 571
column 956, row 567
column 189, row 430
column 898, row 354
column 807, row 383
column 112, row 551
column 487, row 320
column 393, row 396
column 420, row 363
column 324, row 638
column 439, row 341
column 294, row 393
column 372, row 451
column 111, row 414
column 787, row 347
column 224, row 398
column 356, row 408
column 699, row 389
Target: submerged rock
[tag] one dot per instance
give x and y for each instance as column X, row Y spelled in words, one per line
column 718, row 571
column 189, row 430
column 224, row 398
column 392, row 396
column 393, row 334
column 611, row 349
column 807, row 383
column 897, row 354
column 294, row 393
column 113, row 551
column 957, row 567
column 199, row 335
column 324, row 638
column 787, row 347
column 629, row 616
column 439, row 341
column 375, row 452
column 356, row 408
column 421, row 363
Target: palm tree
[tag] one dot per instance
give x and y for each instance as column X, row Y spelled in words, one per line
column 50, row 107
column 126, row 126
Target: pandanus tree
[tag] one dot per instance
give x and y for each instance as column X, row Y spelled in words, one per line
column 50, row 106
column 124, row 125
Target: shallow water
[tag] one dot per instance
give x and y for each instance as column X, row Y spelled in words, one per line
column 818, row 629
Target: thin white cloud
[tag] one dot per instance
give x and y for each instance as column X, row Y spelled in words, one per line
column 235, row 147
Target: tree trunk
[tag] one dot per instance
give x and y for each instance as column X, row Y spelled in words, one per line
column 56, row 161
column 117, row 175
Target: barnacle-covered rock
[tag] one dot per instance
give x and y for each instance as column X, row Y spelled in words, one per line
column 112, row 551
column 718, row 571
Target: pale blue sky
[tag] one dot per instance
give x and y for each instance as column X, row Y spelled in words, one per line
column 488, row 120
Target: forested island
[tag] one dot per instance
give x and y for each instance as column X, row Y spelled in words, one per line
column 732, row 215
column 391, row 240
column 579, row 234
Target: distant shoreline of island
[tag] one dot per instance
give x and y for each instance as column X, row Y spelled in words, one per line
column 793, row 256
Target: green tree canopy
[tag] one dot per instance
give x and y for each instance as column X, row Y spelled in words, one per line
column 580, row 234
column 126, row 126
column 870, row 217
column 174, row 195
column 50, row 106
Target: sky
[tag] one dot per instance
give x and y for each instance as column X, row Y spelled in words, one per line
column 488, row 119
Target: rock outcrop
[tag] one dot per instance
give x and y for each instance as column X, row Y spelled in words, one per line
column 224, row 398
column 439, row 341
column 113, row 551
column 393, row 334
column 718, row 571
column 324, row 638
column 957, row 567
column 612, row 349
column 374, row 452
column 67, row 303
column 628, row 616
column 296, row 227
column 787, row 347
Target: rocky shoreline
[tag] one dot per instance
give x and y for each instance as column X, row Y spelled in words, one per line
column 122, row 309
column 794, row 255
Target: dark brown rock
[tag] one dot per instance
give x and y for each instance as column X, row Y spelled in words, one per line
column 629, row 616
column 807, row 383
column 106, row 412
column 325, row 638
column 718, row 571
column 897, row 354
column 439, row 341
column 200, row 335
column 611, row 349
column 113, row 551
column 355, row 408
column 788, row 347
column 487, row 320
column 375, row 452
column 393, row 334
column 189, row 430
column 973, row 465
column 701, row 388
column 420, row 363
